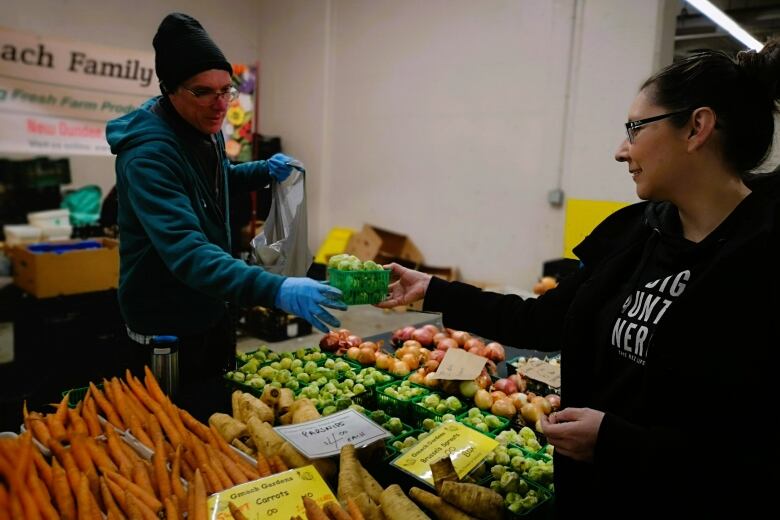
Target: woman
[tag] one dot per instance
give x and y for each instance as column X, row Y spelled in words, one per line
column 669, row 330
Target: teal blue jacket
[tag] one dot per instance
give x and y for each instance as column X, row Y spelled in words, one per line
column 176, row 271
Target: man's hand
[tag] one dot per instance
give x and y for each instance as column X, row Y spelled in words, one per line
column 280, row 166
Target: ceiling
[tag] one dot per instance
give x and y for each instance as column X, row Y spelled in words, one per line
column 760, row 18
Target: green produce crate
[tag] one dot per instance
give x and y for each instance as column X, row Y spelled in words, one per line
column 403, row 409
column 492, row 432
column 413, row 433
column 421, row 413
column 361, row 287
column 541, row 510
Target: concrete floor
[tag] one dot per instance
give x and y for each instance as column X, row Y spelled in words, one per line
column 363, row 320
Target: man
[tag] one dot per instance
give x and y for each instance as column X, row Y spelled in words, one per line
column 173, row 180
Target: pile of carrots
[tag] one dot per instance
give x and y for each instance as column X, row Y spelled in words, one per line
column 93, row 472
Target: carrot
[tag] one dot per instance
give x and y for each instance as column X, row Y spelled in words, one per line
column 66, row 459
column 171, row 511
column 396, row 505
column 139, row 409
column 140, row 392
column 263, row 466
column 168, row 426
column 235, row 512
column 232, row 469
column 99, row 455
column 137, row 430
column 160, row 471
column 152, row 386
column 56, row 427
column 441, row 509
column 249, row 471
column 194, row 425
column 23, row 455
column 5, row 504
column 116, row 452
column 15, row 506
column 141, row 477
column 117, row 492
column 79, row 426
column 108, row 500
column 335, row 512
column 37, row 425
column 200, row 507
column 89, row 413
column 475, row 500
column 62, row 492
column 176, row 485
column 106, row 406
column 132, row 509
column 354, row 510
column 279, row 464
column 130, row 453
column 139, row 492
column 313, row 510
column 118, row 400
column 187, row 470
column 62, row 409
column 41, row 497
column 219, row 470
column 83, row 502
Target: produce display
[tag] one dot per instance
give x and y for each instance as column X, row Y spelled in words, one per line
column 126, row 451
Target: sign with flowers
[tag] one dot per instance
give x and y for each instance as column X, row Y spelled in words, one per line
column 237, row 127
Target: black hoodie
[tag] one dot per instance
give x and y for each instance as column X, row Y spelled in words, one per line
column 683, row 416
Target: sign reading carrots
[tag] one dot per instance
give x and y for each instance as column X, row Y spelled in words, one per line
column 466, row 447
column 277, row 496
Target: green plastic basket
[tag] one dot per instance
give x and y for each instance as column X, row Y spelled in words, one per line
column 403, row 409
column 504, row 422
column 361, row 287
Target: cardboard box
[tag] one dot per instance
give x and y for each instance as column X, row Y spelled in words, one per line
column 48, row 274
column 383, row 246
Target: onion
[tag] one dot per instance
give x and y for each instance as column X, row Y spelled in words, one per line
column 505, row 385
column 497, row 394
column 520, row 381
column 504, row 408
column 431, row 365
column 519, row 399
column 446, row 344
column 354, row 341
column 530, row 413
column 412, row 343
column 438, row 337
column 468, row 389
column 430, row 380
column 432, row 328
column 436, row 355
column 543, row 404
column 399, row 368
column 366, row 356
column 406, row 333
column 417, row 378
column 369, row 344
column 483, row 399
column 424, row 336
column 473, row 343
column 330, row 342
column 495, row 352
column 383, row 361
column 555, row 401
column 483, row 380
column 352, row 352
column 411, row 361
column 460, row 337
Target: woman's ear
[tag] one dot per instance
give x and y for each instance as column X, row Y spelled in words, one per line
column 702, row 126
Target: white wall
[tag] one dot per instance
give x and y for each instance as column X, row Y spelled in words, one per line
column 130, row 25
column 444, row 119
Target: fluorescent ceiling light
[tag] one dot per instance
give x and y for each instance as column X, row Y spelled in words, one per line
column 729, row 25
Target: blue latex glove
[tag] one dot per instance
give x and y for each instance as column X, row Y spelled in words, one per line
column 280, row 166
column 306, row 298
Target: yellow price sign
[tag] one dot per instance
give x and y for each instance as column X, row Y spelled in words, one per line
column 466, row 447
column 278, row 496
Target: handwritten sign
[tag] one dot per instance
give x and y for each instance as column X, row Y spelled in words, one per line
column 325, row 437
column 277, row 496
column 466, row 447
column 543, row 371
column 459, row 365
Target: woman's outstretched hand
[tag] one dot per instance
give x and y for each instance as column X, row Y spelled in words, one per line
column 408, row 286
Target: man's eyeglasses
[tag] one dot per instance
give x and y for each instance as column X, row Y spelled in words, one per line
column 631, row 126
column 208, row 96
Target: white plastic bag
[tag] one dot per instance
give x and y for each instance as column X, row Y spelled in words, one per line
column 282, row 246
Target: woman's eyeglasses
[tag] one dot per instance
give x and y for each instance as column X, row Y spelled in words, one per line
column 631, row 126
column 208, row 96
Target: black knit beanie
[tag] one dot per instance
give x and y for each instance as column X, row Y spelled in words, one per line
column 183, row 49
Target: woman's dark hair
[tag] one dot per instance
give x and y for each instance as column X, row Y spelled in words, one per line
column 741, row 91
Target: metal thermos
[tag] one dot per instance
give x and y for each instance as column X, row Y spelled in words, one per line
column 165, row 363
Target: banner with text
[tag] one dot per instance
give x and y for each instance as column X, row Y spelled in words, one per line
column 56, row 95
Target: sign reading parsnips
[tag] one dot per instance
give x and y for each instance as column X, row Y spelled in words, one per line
column 56, row 95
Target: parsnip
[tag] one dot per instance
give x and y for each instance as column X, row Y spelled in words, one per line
column 480, row 502
column 370, row 485
column 397, row 506
column 350, row 476
column 437, row 506
column 228, row 427
column 369, row 508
